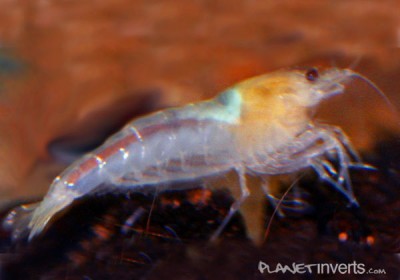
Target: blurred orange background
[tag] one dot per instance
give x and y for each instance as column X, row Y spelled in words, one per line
column 71, row 72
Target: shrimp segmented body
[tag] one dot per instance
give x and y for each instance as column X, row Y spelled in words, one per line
column 260, row 126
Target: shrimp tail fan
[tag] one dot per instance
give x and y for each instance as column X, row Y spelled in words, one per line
column 31, row 219
column 18, row 219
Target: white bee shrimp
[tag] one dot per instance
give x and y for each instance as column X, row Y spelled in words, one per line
column 262, row 126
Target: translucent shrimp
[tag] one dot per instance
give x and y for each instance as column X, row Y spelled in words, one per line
column 260, row 126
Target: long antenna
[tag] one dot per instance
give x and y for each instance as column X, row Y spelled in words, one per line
column 377, row 89
column 267, row 230
column 356, row 62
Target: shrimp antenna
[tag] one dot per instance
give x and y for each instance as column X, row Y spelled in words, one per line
column 356, row 62
column 267, row 230
column 352, row 65
column 151, row 212
column 377, row 89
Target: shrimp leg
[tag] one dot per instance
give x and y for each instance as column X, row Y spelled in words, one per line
column 327, row 139
column 244, row 193
column 267, row 192
column 324, row 139
column 333, row 143
column 280, row 204
column 271, row 198
column 311, row 149
column 330, row 142
column 339, row 134
column 345, row 141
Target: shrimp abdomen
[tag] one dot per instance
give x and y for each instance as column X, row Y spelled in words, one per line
column 174, row 150
column 172, row 145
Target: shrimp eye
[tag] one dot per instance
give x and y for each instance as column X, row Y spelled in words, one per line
column 312, row 74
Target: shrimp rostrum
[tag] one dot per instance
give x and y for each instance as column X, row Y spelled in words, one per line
column 262, row 126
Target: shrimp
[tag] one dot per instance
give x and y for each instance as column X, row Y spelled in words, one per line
column 262, row 126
